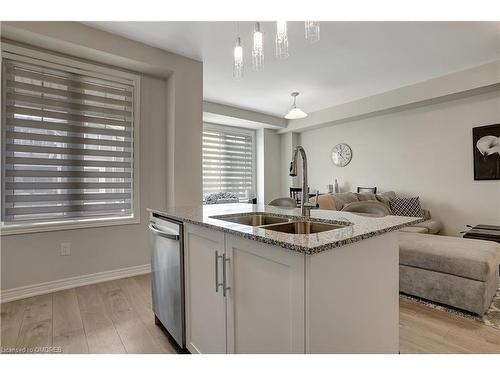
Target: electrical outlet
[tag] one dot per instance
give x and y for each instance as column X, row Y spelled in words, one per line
column 65, row 248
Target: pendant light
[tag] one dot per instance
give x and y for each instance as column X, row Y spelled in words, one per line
column 238, row 59
column 281, row 40
column 312, row 31
column 258, row 49
column 312, row 35
column 295, row 113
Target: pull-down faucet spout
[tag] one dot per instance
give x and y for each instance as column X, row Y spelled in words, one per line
column 305, row 206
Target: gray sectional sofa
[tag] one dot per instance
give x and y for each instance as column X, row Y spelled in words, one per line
column 450, row 270
column 454, row 271
column 338, row 201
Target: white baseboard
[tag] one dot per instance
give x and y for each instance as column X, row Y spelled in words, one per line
column 71, row 282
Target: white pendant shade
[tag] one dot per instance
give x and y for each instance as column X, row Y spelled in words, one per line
column 295, row 114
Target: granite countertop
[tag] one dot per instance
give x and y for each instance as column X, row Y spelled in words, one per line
column 358, row 227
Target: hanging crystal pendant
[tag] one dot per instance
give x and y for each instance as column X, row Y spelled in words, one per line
column 312, row 31
column 258, row 49
column 281, row 40
column 238, row 60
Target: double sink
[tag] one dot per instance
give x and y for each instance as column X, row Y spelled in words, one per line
column 289, row 225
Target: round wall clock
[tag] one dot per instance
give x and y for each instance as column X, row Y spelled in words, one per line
column 341, row 155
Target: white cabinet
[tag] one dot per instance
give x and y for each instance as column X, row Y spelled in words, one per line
column 265, row 302
column 353, row 298
column 205, row 308
column 244, row 296
column 262, row 308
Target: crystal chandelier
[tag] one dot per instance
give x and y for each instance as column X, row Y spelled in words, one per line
column 312, row 31
column 258, row 49
column 238, row 59
column 281, row 40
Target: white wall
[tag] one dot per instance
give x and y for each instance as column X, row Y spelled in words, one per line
column 223, row 114
column 170, row 155
column 268, row 165
column 425, row 152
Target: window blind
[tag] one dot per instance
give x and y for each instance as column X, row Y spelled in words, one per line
column 228, row 161
column 67, row 145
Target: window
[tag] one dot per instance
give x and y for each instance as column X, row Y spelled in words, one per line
column 68, row 144
column 228, row 160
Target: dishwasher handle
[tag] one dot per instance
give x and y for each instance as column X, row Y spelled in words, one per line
column 170, row 236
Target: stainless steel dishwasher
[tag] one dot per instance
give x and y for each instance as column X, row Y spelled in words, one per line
column 167, row 275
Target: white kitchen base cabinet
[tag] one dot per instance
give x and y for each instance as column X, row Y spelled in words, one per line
column 353, row 298
column 265, row 302
column 205, row 308
column 272, row 300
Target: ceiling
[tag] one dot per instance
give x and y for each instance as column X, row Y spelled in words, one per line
column 351, row 61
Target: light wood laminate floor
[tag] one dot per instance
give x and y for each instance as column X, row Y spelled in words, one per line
column 116, row 317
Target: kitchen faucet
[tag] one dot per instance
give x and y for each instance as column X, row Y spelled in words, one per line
column 305, row 206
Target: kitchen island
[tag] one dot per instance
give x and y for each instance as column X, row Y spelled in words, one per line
column 260, row 279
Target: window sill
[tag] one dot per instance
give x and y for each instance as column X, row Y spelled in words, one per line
column 12, row 229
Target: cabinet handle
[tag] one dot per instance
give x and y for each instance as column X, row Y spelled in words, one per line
column 224, row 280
column 217, row 284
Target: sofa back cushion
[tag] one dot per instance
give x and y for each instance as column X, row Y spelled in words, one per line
column 386, row 197
column 341, row 199
column 369, row 207
column 366, row 196
column 325, row 202
column 337, row 201
column 406, row 207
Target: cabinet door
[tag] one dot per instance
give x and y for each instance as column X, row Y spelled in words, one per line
column 265, row 302
column 205, row 307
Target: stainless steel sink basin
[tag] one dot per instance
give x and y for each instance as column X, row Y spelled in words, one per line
column 303, row 227
column 281, row 224
column 254, row 220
